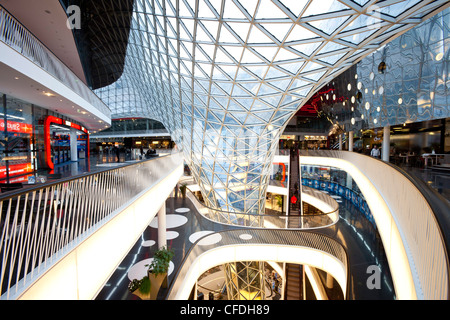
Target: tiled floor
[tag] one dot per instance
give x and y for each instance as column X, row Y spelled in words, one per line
column 364, row 251
column 178, row 240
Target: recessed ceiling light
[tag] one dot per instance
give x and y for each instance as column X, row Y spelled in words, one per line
column 17, row 78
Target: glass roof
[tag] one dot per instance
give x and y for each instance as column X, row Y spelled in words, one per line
column 225, row 76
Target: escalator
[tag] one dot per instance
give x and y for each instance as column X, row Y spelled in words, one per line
column 294, row 278
column 294, row 185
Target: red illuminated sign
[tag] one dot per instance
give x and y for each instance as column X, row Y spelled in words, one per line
column 16, row 169
column 18, row 127
column 48, row 149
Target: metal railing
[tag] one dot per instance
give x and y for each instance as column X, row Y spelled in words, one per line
column 40, row 224
column 422, row 218
column 16, row 36
column 313, row 221
column 274, row 237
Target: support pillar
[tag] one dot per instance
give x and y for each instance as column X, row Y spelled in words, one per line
column 350, row 141
column 162, row 238
column 329, row 281
column 340, row 142
column 385, row 151
column 73, row 144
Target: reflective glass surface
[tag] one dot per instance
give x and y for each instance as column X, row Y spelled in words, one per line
column 224, row 77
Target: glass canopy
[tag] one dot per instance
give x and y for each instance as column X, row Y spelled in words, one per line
column 225, row 76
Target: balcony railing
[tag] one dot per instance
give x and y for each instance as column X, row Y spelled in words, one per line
column 271, row 239
column 41, row 224
column 304, row 222
column 409, row 218
column 16, row 36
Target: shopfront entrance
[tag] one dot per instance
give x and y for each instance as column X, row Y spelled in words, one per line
column 64, row 141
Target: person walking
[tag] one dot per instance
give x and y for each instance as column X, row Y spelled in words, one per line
column 375, row 152
column 117, row 153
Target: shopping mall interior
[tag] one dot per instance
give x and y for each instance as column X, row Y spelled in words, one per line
column 225, row 150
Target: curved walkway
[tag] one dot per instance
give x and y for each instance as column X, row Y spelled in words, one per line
column 353, row 231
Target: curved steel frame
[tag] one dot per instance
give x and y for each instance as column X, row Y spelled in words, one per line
column 225, row 77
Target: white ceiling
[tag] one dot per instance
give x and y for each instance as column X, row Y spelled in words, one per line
column 46, row 19
column 22, row 87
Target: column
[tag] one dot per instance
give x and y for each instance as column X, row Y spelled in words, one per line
column 340, row 142
column 162, row 239
column 73, row 144
column 350, row 141
column 329, row 281
column 385, row 151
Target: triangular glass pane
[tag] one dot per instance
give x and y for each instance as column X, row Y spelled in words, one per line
column 204, row 11
column 230, row 70
column 268, row 10
column 310, row 66
column 332, row 59
column 230, row 120
column 231, row 11
column 234, row 51
column 234, row 106
column 274, row 73
column 332, row 46
column 222, row 57
column 284, row 54
column 278, row 30
column 267, row 52
column 242, row 75
column 184, row 34
column 220, row 115
column 249, row 6
column 203, row 36
column 318, row 7
column 359, row 37
column 329, row 25
column 259, row 71
column 238, row 92
column 300, row 33
column 251, row 86
column 225, row 86
column 258, row 36
column 250, row 57
column 294, row 6
column 265, row 90
column 211, row 26
column 185, row 10
column 226, row 36
column 307, row 48
column 292, row 67
column 208, row 50
column 241, row 29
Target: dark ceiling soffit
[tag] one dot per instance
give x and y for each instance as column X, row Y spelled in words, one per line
column 103, row 38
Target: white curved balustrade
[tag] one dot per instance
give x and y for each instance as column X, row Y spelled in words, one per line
column 316, row 198
column 275, row 245
column 410, row 233
column 54, row 238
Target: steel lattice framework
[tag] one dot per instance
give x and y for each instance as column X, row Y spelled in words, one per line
column 225, row 76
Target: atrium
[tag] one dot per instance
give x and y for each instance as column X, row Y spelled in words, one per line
column 272, row 149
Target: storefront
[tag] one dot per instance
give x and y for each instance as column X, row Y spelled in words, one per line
column 64, row 141
column 30, row 143
column 315, row 142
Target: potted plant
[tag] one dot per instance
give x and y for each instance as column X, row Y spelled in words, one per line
column 183, row 188
column 158, row 269
column 141, row 288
